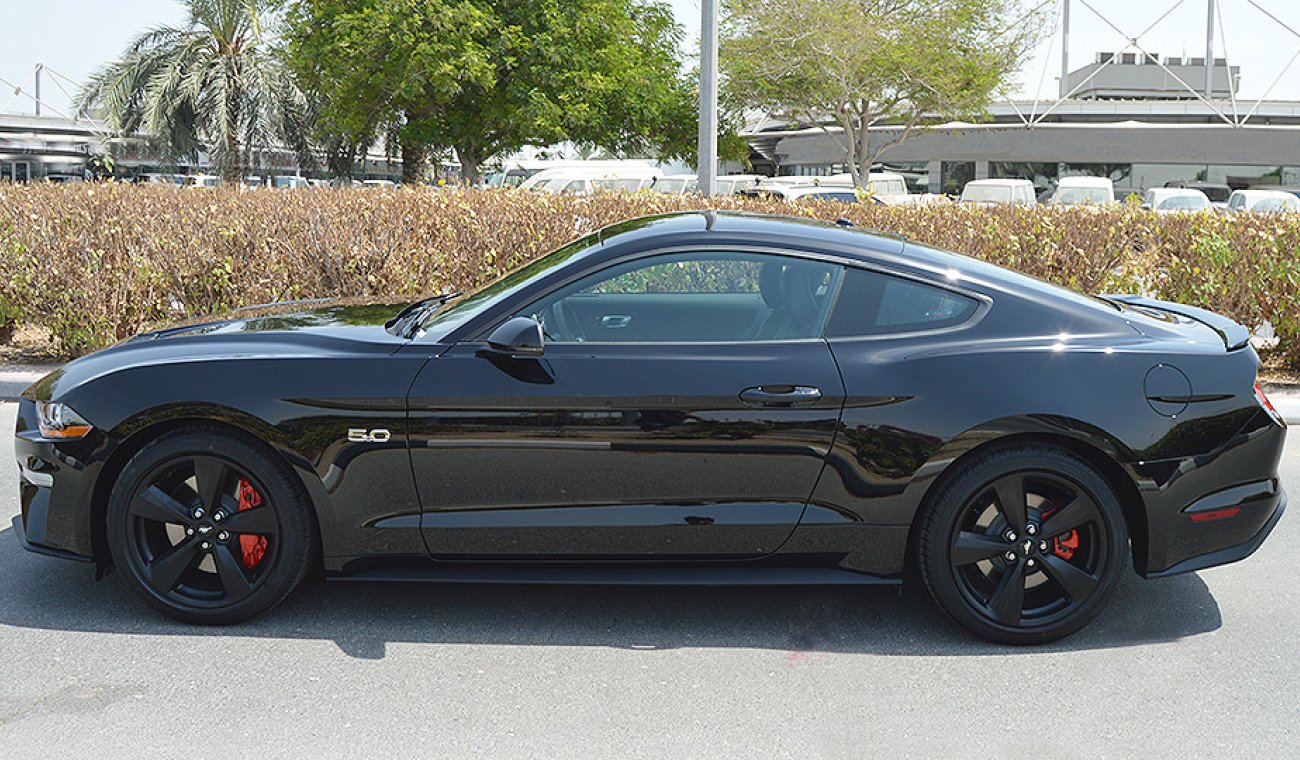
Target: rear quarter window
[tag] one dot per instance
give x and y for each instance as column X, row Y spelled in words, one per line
column 871, row 303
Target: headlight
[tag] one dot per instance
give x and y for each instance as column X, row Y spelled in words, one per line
column 60, row 421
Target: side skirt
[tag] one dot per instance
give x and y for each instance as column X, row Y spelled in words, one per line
column 631, row 575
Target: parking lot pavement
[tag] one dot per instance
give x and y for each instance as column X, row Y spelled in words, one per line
column 14, row 378
column 1197, row 665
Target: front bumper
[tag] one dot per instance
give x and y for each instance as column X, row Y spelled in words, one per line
column 56, row 488
column 48, row 551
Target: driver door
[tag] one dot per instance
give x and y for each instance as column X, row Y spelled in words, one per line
column 683, row 408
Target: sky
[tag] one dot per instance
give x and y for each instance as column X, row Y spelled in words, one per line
column 74, row 37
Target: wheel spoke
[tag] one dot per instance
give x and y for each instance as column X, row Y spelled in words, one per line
column 973, row 547
column 1011, row 500
column 1077, row 583
column 1079, row 511
column 260, row 520
column 155, row 504
column 230, row 569
column 165, row 571
column 1008, row 599
column 210, row 473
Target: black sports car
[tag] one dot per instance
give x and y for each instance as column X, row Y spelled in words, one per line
column 694, row 398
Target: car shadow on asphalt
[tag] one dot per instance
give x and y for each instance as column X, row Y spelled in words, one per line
column 362, row 618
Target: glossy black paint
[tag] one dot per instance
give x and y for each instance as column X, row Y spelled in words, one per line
column 595, row 453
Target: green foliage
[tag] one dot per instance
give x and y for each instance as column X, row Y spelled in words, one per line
column 216, row 85
column 487, row 77
column 846, row 65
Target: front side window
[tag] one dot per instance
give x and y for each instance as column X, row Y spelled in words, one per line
column 871, row 303
column 692, row 298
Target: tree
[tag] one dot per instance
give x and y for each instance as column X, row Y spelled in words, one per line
column 486, row 77
column 216, row 84
column 849, row 65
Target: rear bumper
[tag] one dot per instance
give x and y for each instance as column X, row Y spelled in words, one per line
column 1231, row 553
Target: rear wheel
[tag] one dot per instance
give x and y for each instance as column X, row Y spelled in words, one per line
column 210, row 526
column 1023, row 545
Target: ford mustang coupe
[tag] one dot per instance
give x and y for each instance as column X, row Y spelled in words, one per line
column 707, row 398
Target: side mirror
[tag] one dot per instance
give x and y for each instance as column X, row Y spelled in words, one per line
column 518, row 337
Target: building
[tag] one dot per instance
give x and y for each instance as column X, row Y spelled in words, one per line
column 58, row 148
column 1141, row 120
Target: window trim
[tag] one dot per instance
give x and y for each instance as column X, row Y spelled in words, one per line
column 985, row 301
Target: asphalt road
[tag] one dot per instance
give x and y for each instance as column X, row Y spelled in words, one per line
column 1203, row 665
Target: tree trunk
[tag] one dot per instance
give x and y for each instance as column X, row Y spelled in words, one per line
column 414, row 163
column 469, row 161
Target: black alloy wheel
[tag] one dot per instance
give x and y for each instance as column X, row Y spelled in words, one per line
column 1024, row 545
column 210, row 526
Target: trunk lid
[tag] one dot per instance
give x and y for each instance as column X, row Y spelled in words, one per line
column 1180, row 318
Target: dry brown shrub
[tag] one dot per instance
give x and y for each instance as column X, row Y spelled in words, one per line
column 93, row 264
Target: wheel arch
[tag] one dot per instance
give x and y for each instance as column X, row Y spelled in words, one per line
column 1102, row 455
column 134, row 434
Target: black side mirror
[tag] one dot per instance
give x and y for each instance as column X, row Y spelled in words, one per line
column 518, row 337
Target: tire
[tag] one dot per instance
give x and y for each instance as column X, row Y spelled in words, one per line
column 1024, row 576
column 211, row 527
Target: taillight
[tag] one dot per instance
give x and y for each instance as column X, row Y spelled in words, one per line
column 1268, row 405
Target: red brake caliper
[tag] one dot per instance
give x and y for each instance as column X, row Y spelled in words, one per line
column 252, row 546
column 1066, row 544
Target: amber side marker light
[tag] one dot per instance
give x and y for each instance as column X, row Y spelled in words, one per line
column 59, row 421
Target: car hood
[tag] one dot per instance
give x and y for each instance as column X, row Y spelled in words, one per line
column 347, row 318
column 322, row 328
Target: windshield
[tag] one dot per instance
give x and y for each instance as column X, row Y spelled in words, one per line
column 987, row 194
column 1277, row 203
column 1075, row 196
column 1192, row 202
column 456, row 313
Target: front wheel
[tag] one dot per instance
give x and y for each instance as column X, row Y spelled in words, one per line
column 1023, row 545
column 211, row 527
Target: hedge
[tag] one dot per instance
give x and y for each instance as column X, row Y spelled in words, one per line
column 93, row 264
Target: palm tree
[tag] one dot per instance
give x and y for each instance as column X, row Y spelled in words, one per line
column 218, row 84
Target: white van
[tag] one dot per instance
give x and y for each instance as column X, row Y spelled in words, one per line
column 1083, row 191
column 991, row 192
column 584, row 181
column 886, row 187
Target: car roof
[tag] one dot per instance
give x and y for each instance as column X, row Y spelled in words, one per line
column 1085, row 182
column 884, row 250
column 1173, row 192
column 998, row 182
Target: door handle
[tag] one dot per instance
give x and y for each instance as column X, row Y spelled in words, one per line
column 781, row 395
column 615, row 321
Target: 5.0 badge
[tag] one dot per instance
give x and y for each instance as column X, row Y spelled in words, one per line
column 361, row 435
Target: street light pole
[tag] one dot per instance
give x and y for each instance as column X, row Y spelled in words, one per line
column 707, row 169
column 1209, row 52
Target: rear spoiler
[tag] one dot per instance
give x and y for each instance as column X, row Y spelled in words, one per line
column 1234, row 335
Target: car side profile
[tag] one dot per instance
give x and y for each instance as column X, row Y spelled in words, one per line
column 695, row 398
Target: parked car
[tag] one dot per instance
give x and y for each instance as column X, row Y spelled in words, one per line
column 287, row 182
column 885, row 187
column 702, row 397
column 379, row 184
column 676, row 184
column 156, row 178
column 1083, row 191
column 1262, row 201
column 1015, row 192
column 1217, row 193
column 202, row 180
column 1176, row 200
column 63, row 179
column 734, row 184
